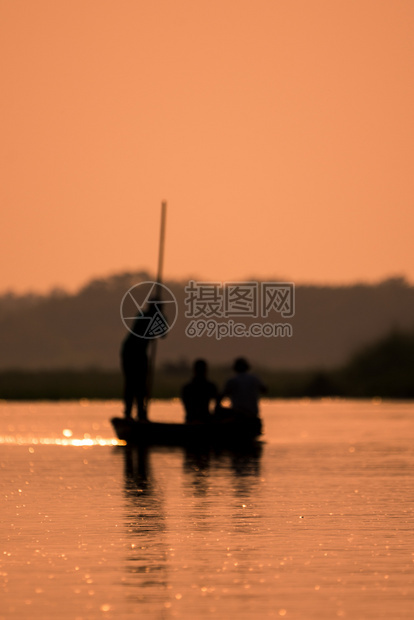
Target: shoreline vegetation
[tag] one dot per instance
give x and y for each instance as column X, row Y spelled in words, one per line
column 384, row 370
column 84, row 330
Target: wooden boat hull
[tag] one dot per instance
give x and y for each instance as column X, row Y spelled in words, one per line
column 223, row 433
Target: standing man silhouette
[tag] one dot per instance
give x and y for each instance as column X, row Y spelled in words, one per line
column 134, row 363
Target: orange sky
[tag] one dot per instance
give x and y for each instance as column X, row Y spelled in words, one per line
column 281, row 133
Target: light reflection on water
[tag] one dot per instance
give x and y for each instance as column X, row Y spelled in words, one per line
column 57, row 441
column 317, row 522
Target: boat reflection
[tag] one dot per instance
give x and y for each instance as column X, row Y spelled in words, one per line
column 182, row 508
column 145, row 568
column 239, row 466
column 198, row 466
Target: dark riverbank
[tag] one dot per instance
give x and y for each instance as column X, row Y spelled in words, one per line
column 385, row 369
column 103, row 384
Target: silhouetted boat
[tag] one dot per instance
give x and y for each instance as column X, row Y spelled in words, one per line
column 222, row 433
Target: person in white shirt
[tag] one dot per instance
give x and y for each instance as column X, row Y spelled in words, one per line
column 243, row 390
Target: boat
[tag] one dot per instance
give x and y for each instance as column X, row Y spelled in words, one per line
column 221, row 433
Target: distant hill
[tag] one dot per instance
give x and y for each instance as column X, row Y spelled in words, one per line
column 84, row 330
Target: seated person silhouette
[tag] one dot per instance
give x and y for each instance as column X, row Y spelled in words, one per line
column 134, row 363
column 198, row 394
column 243, row 390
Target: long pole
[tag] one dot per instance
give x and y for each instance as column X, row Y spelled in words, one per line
column 162, row 240
column 153, row 349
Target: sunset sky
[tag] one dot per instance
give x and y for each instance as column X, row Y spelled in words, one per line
column 281, row 134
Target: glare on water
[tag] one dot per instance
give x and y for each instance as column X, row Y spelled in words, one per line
column 316, row 522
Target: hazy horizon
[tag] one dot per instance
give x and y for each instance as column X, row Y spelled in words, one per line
column 85, row 282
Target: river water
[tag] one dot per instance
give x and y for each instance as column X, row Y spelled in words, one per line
column 316, row 523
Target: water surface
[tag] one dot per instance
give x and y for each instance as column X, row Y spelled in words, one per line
column 316, row 523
